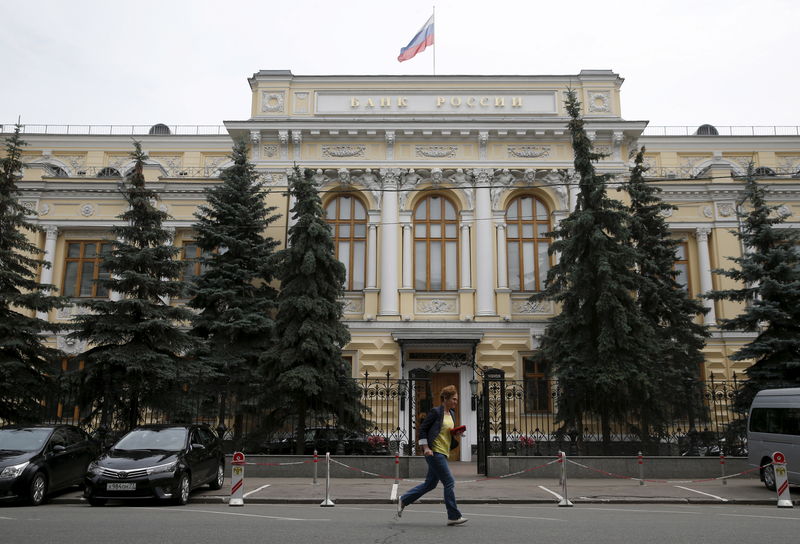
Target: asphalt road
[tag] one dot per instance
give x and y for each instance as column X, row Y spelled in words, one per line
column 308, row 524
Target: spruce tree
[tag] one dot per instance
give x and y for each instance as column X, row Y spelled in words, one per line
column 26, row 363
column 600, row 343
column 671, row 312
column 769, row 274
column 233, row 294
column 304, row 370
column 137, row 342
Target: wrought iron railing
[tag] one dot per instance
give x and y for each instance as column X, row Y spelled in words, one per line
column 521, row 419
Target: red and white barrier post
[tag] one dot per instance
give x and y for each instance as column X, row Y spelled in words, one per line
column 722, row 468
column 316, row 463
column 393, row 494
column 641, row 469
column 237, row 480
column 562, row 458
column 781, row 480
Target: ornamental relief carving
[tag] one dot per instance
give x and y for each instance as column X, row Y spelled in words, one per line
column 70, row 346
column 726, row 209
column 272, row 102
column 270, row 151
column 784, row 210
column 789, row 162
column 529, row 151
column 343, row 151
column 353, row 305
column 528, row 307
column 87, row 210
column 436, row 151
column 76, row 162
column 436, row 306
column 599, row 102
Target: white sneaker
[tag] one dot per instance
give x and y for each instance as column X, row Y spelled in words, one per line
column 458, row 521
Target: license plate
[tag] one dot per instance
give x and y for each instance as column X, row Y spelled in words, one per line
column 121, row 486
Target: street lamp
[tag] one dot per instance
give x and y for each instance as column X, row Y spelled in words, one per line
column 473, row 387
column 402, row 387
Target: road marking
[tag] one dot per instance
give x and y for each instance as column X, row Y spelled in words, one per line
column 559, row 497
column 763, row 517
column 702, row 493
column 256, row 490
column 1, row 517
column 234, row 514
column 639, row 511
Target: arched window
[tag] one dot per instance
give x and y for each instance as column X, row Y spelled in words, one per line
column 435, row 245
column 527, row 220
column 347, row 217
column 108, row 172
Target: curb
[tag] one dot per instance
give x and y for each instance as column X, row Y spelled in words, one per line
column 217, row 499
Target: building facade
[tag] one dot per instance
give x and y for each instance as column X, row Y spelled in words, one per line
column 439, row 190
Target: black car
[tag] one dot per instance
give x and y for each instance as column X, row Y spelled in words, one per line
column 38, row 460
column 157, row 462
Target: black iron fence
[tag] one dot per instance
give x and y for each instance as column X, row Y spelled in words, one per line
column 516, row 417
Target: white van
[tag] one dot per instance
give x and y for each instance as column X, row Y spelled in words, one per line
column 774, row 425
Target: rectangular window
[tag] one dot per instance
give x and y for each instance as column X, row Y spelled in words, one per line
column 682, row 265
column 192, row 265
column 83, row 267
column 775, row 421
column 537, row 385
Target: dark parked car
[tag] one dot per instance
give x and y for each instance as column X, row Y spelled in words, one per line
column 326, row 439
column 157, row 462
column 38, row 460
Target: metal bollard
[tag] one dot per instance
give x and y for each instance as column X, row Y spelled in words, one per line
column 781, row 480
column 237, row 480
column 641, row 469
column 397, row 467
column 722, row 468
column 328, row 501
column 564, row 496
column 316, row 463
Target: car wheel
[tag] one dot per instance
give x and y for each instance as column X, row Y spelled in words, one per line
column 182, row 492
column 219, row 479
column 768, row 475
column 94, row 501
column 38, row 490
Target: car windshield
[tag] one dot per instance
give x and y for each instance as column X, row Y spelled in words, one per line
column 23, row 439
column 169, row 439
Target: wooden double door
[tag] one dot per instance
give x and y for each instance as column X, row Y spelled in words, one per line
column 427, row 398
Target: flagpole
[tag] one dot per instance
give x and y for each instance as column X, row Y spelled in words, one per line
column 434, row 42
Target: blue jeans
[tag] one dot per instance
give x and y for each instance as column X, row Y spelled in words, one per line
column 438, row 471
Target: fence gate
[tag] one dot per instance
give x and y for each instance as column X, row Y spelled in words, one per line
column 492, row 438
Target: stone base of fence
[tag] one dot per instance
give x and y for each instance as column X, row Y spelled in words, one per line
column 366, row 466
column 654, row 467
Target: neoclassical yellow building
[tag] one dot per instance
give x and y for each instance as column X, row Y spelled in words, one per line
column 439, row 189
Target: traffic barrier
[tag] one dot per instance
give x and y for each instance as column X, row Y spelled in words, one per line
column 327, row 501
column 393, row 494
column 652, row 480
column 781, row 480
column 237, row 480
column 722, row 468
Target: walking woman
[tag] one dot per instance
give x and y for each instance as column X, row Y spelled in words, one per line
column 437, row 440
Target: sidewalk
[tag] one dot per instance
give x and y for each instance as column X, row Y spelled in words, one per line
column 473, row 489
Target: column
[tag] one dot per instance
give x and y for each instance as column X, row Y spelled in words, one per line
column 388, row 303
column 705, row 273
column 484, row 254
column 372, row 256
column 502, row 261
column 51, row 236
column 466, row 262
column 407, row 256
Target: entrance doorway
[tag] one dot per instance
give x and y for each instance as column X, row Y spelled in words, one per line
column 428, row 398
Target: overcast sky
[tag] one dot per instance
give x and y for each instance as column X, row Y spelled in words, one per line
column 724, row 62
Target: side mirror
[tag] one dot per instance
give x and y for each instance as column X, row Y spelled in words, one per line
column 198, row 447
column 58, row 448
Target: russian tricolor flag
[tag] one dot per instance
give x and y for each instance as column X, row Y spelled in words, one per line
column 421, row 40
